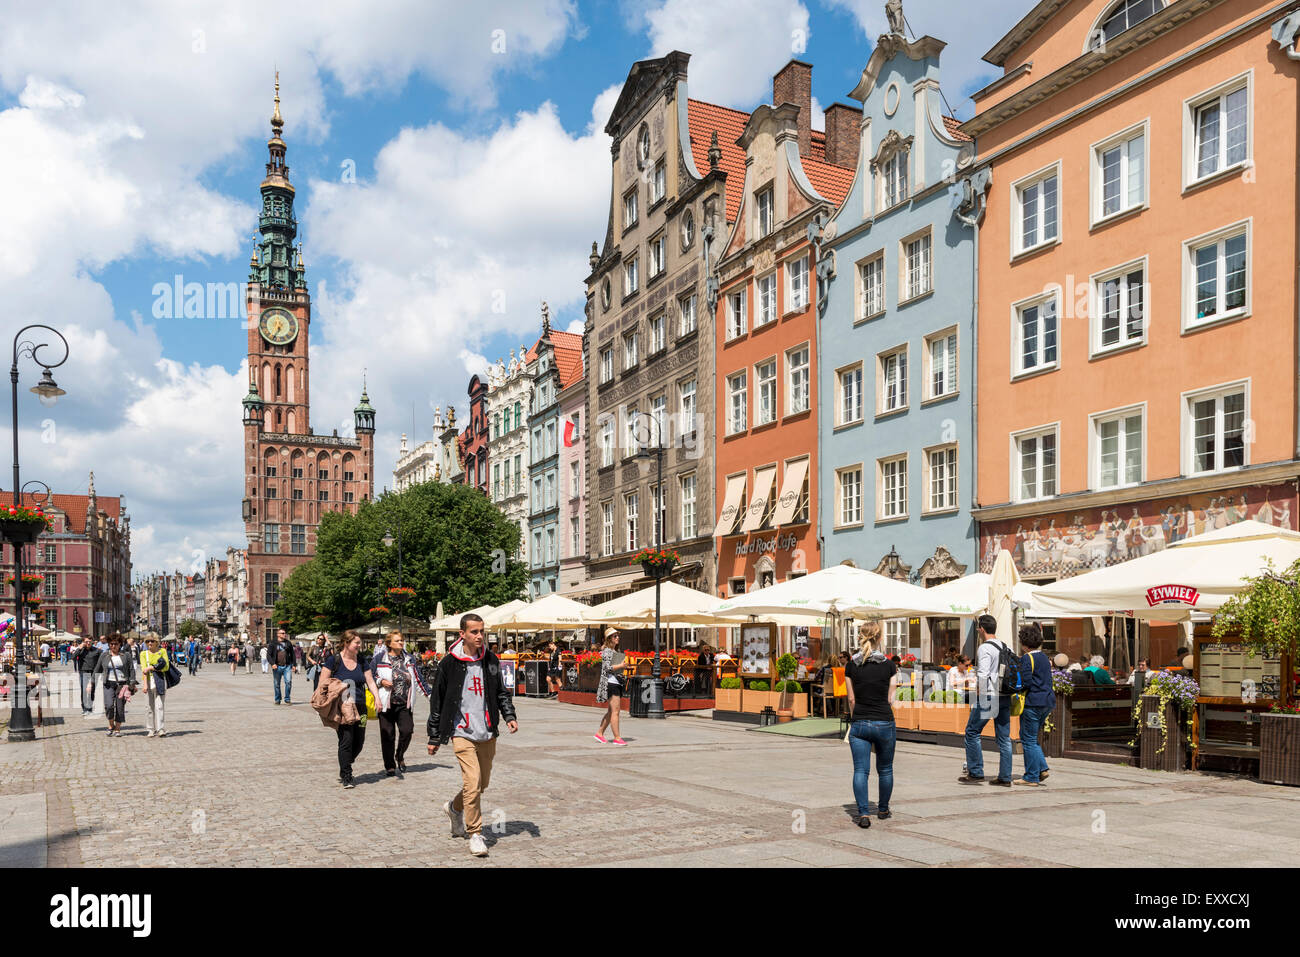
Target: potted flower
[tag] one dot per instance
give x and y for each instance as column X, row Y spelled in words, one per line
column 20, row 524
column 401, row 594
column 1166, row 707
column 1056, row 729
column 657, row 563
column 30, row 582
column 379, row 611
column 1263, row 617
column 727, row 695
column 429, row 666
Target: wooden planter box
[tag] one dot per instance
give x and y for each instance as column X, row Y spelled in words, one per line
column 950, row 718
column 727, row 699
column 797, row 703
column 1054, row 741
column 907, row 715
column 1279, row 749
column 1174, row 756
column 753, row 702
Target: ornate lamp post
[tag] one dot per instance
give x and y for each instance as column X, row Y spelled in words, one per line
column 20, row 719
column 400, row 598
column 655, row 706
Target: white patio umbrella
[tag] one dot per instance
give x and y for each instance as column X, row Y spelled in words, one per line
column 1001, row 603
column 553, row 611
column 968, row 596
column 452, row 622
column 840, row 590
column 1197, row 574
column 679, row 605
column 493, row 619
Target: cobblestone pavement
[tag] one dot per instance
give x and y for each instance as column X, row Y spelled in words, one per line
column 239, row 781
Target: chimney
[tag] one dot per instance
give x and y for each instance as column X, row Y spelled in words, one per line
column 843, row 125
column 793, row 84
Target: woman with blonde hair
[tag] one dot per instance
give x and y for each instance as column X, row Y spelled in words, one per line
column 610, row 689
column 872, row 679
column 397, row 674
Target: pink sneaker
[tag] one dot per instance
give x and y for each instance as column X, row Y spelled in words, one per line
column 600, row 739
column 620, row 741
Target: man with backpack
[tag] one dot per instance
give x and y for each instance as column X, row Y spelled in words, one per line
column 998, row 677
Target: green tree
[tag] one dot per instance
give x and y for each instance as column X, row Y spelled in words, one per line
column 191, row 628
column 456, row 548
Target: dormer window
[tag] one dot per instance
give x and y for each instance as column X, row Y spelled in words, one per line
column 766, row 210
column 890, row 168
column 1121, row 17
column 896, row 179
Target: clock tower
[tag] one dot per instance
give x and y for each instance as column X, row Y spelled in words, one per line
column 292, row 475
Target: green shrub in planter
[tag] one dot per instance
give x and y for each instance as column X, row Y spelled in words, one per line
column 906, row 694
column 787, row 665
column 731, row 684
column 946, row 697
column 759, row 686
column 793, row 687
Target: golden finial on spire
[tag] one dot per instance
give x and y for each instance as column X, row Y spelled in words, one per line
column 277, row 121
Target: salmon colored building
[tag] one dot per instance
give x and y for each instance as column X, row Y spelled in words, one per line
column 767, row 340
column 1137, row 303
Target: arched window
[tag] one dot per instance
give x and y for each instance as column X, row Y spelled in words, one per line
column 293, row 422
column 290, row 378
column 266, row 381
column 1120, row 17
column 277, row 380
column 518, row 419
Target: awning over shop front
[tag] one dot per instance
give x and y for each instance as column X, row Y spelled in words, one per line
column 731, row 505
column 791, row 493
column 764, row 480
column 610, row 584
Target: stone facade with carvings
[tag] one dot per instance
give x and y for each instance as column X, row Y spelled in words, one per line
column 648, row 341
column 509, row 398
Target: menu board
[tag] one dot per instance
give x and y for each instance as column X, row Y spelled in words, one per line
column 1227, row 670
column 756, row 648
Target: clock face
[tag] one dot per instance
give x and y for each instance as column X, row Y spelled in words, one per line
column 278, row 326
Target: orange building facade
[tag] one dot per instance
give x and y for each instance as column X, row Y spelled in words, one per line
column 766, row 315
column 1137, row 309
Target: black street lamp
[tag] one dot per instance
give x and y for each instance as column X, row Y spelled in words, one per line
column 47, row 390
column 388, row 541
column 655, row 706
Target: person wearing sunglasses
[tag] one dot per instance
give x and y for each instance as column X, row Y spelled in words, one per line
column 154, row 665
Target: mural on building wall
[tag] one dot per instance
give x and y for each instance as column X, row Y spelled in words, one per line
column 1070, row 543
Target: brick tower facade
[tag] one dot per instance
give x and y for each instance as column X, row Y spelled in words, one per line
column 291, row 475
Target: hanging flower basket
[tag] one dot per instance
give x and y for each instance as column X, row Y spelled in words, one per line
column 30, row 582
column 20, row 524
column 657, row 563
column 379, row 611
column 400, row 595
column 32, row 602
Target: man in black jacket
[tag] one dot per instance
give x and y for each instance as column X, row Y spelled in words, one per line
column 280, row 654
column 84, row 660
column 467, row 706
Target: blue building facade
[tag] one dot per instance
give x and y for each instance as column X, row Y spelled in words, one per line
column 896, row 375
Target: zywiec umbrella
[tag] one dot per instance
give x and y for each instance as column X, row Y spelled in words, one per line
column 1197, row 574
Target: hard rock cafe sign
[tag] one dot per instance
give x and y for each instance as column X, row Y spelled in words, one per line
column 1071, row 543
column 758, row 546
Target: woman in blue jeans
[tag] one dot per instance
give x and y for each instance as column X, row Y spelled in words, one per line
column 1040, row 699
column 872, row 679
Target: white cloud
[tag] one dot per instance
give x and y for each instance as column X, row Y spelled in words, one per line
column 577, row 327
column 969, row 29
column 735, row 45
column 818, row 115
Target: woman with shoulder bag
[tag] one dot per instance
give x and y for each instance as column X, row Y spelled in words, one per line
column 872, row 679
column 609, row 691
column 397, row 674
column 346, row 665
column 118, row 669
column 1040, row 699
column 154, row 664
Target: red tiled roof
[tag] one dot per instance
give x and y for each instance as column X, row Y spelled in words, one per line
column 953, row 126
column 74, row 507
column 703, row 118
column 831, row 182
column 568, row 357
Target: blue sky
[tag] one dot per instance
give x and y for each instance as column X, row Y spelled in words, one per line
column 135, row 141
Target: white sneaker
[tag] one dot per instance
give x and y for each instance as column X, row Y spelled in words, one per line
column 162, row 734
column 457, row 820
column 477, row 847
column 149, row 734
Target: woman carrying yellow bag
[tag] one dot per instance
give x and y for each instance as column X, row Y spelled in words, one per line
column 345, row 665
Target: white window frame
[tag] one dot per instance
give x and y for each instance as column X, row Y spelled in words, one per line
column 607, row 528
column 874, row 263
column 688, row 516
column 1017, row 224
column 686, row 315
column 658, row 254
column 796, row 290
column 765, row 304
column 1190, row 248
column 658, row 182
column 575, row 536
column 737, row 320
column 794, row 391
column 1018, row 370
column 841, row 393
column 1120, row 415
column 631, row 350
column 906, row 291
column 882, row 387
column 631, row 276
column 1096, row 176
column 1017, row 492
column 765, row 388
column 927, row 479
column 630, row 209
column 894, row 171
column 1188, row 438
column 632, row 441
column 1095, row 283
column 632, row 520
column 688, row 387
column 927, row 360
column 607, row 364
column 1192, row 105
column 765, row 211
column 843, row 520
column 658, row 333
column 881, row 463
column 737, row 384
column 608, row 449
